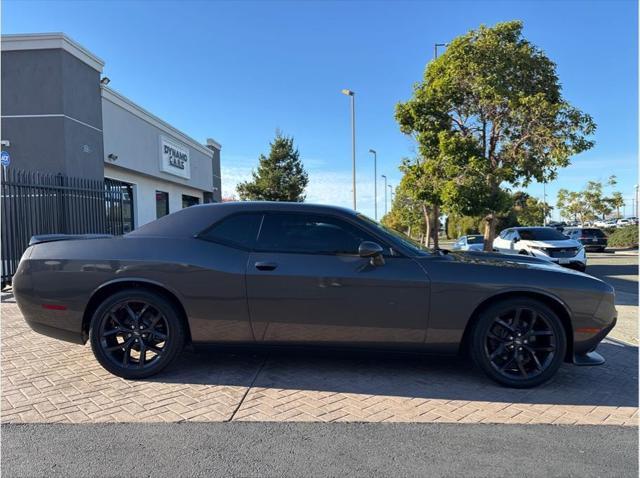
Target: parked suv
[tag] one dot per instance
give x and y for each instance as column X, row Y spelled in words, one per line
column 544, row 243
column 592, row 238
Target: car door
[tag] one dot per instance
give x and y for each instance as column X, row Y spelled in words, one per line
column 501, row 243
column 306, row 283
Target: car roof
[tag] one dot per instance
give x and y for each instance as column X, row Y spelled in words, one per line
column 194, row 219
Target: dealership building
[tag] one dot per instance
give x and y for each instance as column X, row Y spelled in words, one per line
column 60, row 117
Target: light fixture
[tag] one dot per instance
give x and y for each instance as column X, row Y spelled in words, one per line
column 112, row 157
column 105, row 81
column 347, row 92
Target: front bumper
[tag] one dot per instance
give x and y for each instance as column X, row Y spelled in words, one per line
column 578, row 261
column 590, row 356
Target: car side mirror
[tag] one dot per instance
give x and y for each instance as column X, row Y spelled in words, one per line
column 372, row 250
column 515, row 239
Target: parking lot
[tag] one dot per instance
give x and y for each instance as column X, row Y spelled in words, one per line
column 48, row 381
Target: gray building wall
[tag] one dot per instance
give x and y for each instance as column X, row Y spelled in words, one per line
column 136, row 143
column 51, row 113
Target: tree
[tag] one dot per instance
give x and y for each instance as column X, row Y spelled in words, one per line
column 489, row 112
column 616, row 202
column 280, row 177
column 528, row 210
column 573, row 206
column 589, row 203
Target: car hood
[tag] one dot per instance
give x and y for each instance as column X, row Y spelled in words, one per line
column 508, row 260
column 560, row 243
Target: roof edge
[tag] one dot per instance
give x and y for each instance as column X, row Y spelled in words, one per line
column 48, row 41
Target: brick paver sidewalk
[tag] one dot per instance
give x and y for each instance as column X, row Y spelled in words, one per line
column 45, row 380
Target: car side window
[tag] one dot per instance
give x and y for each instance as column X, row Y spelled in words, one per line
column 310, row 234
column 238, row 230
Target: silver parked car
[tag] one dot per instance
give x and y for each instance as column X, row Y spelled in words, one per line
column 472, row 242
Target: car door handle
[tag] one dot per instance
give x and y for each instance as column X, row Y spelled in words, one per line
column 266, row 266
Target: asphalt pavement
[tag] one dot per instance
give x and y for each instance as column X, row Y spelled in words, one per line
column 313, row 449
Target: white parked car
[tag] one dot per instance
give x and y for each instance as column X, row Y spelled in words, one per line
column 473, row 242
column 544, row 243
column 629, row 221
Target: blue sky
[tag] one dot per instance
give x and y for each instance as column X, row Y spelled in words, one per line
column 237, row 71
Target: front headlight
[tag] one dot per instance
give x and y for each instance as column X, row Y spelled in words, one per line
column 541, row 249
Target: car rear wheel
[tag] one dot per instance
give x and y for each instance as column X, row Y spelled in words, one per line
column 136, row 333
column 519, row 343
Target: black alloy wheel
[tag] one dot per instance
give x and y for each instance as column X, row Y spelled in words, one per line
column 519, row 343
column 136, row 333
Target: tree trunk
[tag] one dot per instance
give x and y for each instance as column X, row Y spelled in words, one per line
column 489, row 232
column 427, row 236
column 435, row 229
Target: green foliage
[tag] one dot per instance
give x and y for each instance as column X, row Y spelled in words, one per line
column 280, row 177
column 406, row 210
column 528, row 210
column 489, row 113
column 590, row 203
column 624, row 237
column 463, row 225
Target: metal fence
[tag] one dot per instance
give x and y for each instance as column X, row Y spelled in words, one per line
column 38, row 203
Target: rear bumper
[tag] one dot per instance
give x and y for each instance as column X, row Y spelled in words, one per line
column 56, row 333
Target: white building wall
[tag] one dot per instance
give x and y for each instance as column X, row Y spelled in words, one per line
column 144, row 193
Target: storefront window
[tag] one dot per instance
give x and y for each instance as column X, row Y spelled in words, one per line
column 162, row 204
column 189, row 201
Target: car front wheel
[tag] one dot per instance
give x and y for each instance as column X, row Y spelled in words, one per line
column 519, row 343
column 136, row 333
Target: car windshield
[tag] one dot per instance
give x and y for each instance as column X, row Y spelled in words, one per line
column 395, row 236
column 475, row 239
column 541, row 234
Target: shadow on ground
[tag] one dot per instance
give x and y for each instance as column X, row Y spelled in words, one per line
column 613, row 384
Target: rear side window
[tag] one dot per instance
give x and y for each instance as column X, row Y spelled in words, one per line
column 310, row 234
column 239, row 230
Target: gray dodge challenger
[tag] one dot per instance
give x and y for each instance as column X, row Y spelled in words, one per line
column 263, row 273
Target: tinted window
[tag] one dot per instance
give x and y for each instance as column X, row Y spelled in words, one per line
column 475, row 239
column 310, row 233
column 541, row 234
column 592, row 233
column 237, row 230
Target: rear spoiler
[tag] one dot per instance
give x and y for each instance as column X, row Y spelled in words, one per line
column 65, row 237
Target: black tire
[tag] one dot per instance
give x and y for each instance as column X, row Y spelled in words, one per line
column 541, row 351
column 523, row 253
column 131, row 348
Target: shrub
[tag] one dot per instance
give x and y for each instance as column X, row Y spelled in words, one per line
column 624, row 237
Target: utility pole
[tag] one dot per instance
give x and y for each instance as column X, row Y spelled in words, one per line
column 352, row 95
column 375, row 182
column 544, row 202
column 435, row 49
column 385, row 194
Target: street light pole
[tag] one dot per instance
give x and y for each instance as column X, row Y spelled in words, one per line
column 375, row 182
column 635, row 199
column 385, row 194
column 435, row 49
column 352, row 95
column 544, row 202
column 391, row 193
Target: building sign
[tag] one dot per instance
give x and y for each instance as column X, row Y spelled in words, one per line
column 5, row 159
column 174, row 158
